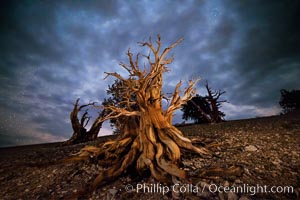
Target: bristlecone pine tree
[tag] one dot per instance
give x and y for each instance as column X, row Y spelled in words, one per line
column 197, row 109
column 148, row 141
column 213, row 98
column 290, row 101
column 80, row 133
column 204, row 109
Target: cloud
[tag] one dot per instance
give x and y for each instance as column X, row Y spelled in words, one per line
column 268, row 57
column 53, row 53
column 248, row 111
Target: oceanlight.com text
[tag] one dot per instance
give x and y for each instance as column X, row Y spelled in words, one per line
column 213, row 188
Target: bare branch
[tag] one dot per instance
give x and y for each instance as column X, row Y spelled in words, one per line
column 118, row 76
column 117, row 112
column 87, row 121
column 168, row 49
column 84, row 117
column 177, row 101
column 85, row 105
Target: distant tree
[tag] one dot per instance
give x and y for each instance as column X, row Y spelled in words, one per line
column 196, row 109
column 290, row 100
column 80, row 132
column 215, row 104
column 204, row 109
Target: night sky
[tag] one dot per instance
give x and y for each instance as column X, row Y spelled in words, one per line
column 52, row 52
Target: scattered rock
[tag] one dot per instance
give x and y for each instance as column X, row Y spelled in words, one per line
column 276, row 162
column 221, row 196
column 238, row 181
column 113, row 191
column 244, row 198
column 204, row 194
column 250, row 148
column 235, row 143
column 226, row 184
column 232, row 196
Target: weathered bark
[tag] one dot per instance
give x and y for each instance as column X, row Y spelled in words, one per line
column 80, row 133
column 148, row 141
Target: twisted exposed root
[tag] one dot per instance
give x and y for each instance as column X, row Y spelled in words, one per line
column 167, row 166
column 185, row 143
column 85, row 154
column 157, row 172
column 234, row 170
column 157, row 150
column 174, row 151
column 117, row 169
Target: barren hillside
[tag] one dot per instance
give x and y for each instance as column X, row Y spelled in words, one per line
column 267, row 149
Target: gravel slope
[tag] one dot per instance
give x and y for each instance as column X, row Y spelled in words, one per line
column 268, row 150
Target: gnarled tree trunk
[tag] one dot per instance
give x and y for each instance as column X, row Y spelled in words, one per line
column 149, row 141
column 80, row 133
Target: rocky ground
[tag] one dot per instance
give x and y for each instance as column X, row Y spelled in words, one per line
column 266, row 149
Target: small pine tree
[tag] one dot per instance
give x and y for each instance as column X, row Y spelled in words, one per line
column 116, row 99
column 204, row 109
column 196, row 109
column 290, row 100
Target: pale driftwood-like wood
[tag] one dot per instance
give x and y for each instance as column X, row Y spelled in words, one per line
column 80, row 133
column 148, row 141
